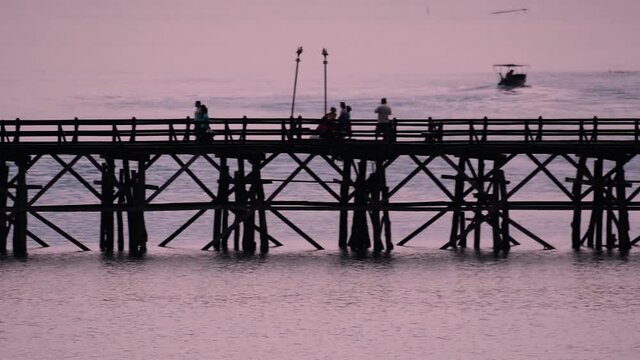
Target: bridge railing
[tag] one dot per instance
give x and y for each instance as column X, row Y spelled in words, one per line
column 283, row 129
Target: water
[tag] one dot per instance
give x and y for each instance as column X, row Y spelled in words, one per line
column 418, row 302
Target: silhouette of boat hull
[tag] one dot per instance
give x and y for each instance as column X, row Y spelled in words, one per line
column 514, row 80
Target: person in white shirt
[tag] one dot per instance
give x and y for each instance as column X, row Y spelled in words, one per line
column 384, row 126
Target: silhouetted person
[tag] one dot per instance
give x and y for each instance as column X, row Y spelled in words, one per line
column 384, row 126
column 197, row 115
column 201, row 123
column 509, row 74
column 327, row 126
column 344, row 120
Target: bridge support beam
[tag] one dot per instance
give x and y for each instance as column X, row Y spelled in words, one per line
column 609, row 221
column 221, row 215
column 135, row 185
column 370, row 197
column 623, row 212
column 345, row 185
column 107, row 200
column 20, row 212
column 4, row 219
column 359, row 240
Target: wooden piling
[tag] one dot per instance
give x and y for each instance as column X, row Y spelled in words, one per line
column 457, row 222
column 386, row 219
column 374, row 189
column 504, row 208
column 20, row 212
column 598, row 205
column 493, row 213
column 222, row 198
column 107, row 199
column 623, row 212
column 139, row 198
column 477, row 233
column 4, row 219
column 238, row 180
column 576, row 194
column 359, row 239
column 345, row 185
column 119, row 215
column 258, row 200
column 610, row 237
column 249, row 228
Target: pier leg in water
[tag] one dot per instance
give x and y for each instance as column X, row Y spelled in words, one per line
column 598, row 202
column 106, row 216
column 137, row 229
column 344, row 200
column 140, row 199
column 4, row 219
column 359, row 240
column 20, row 214
column 478, row 212
column 504, row 207
column 386, row 219
column 623, row 213
column 239, row 199
column 576, row 223
column 119, row 216
column 258, row 200
column 223, row 197
column 457, row 222
column 373, row 187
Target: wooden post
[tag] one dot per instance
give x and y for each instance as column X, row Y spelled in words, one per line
column 344, row 201
column 249, row 229
column 478, row 211
column 373, row 187
column 239, row 198
column 623, row 213
column 359, row 239
column 20, row 212
column 258, row 199
column 139, row 196
column 598, row 200
column 243, row 199
column 4, row 223
column 504, row 207
column 119, row 216
column 457, row 222
column 576, row 226
column 106, row 216
column 386, row 220
column 223, row 197
column 494, row 216
column 610, row 237
column 137, row 228
column 131, row 218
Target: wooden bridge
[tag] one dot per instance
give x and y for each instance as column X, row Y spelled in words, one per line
column 475, row 189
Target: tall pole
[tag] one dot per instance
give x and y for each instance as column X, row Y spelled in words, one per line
column 295, row 81
column 325, row 54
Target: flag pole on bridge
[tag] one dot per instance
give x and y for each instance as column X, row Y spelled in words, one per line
column 325, row 54
column 295, row 81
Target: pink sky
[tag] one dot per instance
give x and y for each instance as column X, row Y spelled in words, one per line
column 248, row 37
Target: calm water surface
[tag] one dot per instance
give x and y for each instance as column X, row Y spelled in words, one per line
column 320, row 305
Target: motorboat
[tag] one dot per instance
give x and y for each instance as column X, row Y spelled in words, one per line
column 511, row 75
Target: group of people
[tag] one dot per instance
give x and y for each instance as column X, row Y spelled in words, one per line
column 334, row 125
column 331, row 126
